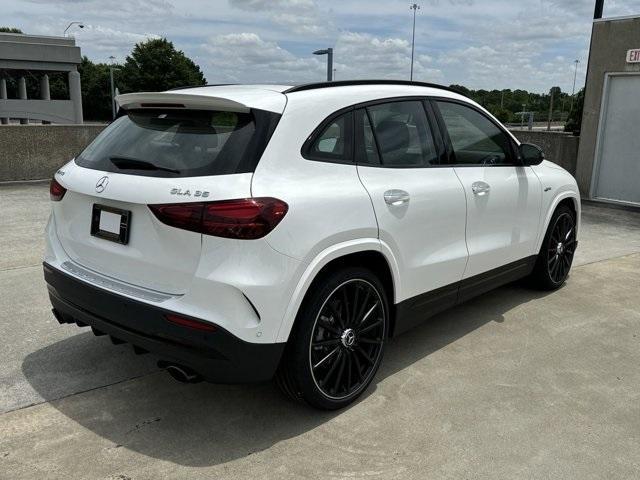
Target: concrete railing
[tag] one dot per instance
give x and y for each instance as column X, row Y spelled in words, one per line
column 559, row 147
column 57, row 111
column 34, row 152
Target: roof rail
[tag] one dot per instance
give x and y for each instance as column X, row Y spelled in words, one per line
column 345, row 83
column 199, row 86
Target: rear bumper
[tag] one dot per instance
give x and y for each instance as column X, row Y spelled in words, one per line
column 218, row 356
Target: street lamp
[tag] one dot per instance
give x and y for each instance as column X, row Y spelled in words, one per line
column 573, row 90
column 329, row 53
column 80, row 25
column 413, row 7
column 113, row 96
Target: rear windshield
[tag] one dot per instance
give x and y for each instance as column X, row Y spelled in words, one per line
column 181, row 143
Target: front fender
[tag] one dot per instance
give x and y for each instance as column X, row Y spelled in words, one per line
column 566, row 192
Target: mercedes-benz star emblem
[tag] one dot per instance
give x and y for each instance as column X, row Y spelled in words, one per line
column 102, row 184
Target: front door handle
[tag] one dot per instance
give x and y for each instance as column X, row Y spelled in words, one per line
column 480, row 188
column 396, row 197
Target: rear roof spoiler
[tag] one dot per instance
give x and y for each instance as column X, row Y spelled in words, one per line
column 225, row 98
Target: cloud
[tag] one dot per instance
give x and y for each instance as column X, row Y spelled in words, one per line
column 359, row 55
column 246, row 57
column 111, row 41
column 480, row 44
column 298, row 16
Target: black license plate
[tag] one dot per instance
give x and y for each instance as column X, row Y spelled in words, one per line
column 110, row 223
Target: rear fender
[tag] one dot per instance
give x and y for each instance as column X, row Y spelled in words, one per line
column 322, row 259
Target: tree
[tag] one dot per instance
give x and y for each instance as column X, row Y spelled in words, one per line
column 96, row 90
column 155, row 65
column 501, row 114
column 574, row 122
column 10, row 30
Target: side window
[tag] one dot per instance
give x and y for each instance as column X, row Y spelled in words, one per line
column 476, row 140
column 402, row 134
column 334, row 142
column 365, row 144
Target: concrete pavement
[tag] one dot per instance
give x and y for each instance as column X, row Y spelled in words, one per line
column 514, row 384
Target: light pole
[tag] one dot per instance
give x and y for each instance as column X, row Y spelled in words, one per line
column 573, row 90
column 80, row 25
column 329, row 53
column 414, row 7
column 113, row 96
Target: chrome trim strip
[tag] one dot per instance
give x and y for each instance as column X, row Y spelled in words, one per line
column 120, row 287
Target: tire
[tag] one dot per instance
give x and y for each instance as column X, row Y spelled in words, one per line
column 333, row 352
column 556, row 253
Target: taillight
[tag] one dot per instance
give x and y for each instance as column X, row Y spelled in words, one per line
column 246, row 218
column 56, row 191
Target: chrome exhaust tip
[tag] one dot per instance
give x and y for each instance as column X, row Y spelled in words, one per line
column 180, row 372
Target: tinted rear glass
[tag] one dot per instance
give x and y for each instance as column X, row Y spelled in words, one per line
column 181, row 143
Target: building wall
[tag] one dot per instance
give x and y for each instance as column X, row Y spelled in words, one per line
column 33, row 152
column 610, row 42
column 558, row 147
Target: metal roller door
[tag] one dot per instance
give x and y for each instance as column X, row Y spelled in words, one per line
column 618, row 167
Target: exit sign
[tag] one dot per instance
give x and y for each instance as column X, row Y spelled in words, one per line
column 633, row 55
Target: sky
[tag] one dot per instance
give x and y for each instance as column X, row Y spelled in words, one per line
column 491, row 44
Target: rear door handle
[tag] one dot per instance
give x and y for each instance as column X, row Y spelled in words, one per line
column 396, row 197
column 480, row 188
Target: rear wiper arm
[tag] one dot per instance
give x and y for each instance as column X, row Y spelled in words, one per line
column 124, row 163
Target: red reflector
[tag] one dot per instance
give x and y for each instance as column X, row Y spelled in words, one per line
column 246, row 218
column 56, row 191
column 189, row 323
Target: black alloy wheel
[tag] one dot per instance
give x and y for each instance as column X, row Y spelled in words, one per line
column 347, row 339
column 561, row 247
column 338, row 339
column 557, row 251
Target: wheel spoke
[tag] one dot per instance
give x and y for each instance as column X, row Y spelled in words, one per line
column 354, row 312
column 566, row 237
column 324, row 323
column 326, row 357
column 364, row 354
column 345, row 308
column 336, row 383
column 364, row 319
column 373, row 325
column 363, row 305
column 332, row 368
column 358, row 367
column 326, row 343
column 373, row 341
column 554, row 270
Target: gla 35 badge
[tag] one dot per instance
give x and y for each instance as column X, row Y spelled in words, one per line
column 187, row 193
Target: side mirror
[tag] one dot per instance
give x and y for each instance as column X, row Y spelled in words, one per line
column 530, row 154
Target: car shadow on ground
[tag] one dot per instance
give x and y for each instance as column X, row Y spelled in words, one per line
column 206, row 424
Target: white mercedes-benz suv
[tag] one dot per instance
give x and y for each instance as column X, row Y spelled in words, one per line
column 245, row 232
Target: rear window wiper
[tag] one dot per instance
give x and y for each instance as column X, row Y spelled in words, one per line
column 124, row 163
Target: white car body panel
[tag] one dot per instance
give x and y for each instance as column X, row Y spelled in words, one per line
column 254, row 288
column 557, row 185
column 427, row 234
column 502, row 224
